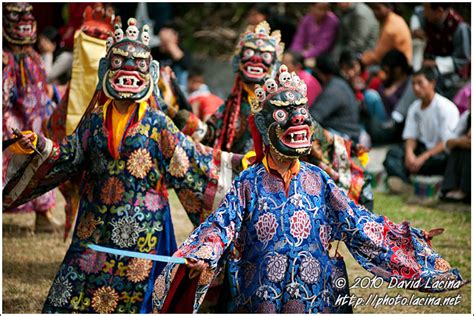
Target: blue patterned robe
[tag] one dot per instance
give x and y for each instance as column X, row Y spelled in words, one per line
column 123, row 205
column 276, row 247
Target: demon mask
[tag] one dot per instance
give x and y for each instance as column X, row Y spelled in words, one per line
column 282, row 116
column 258, row 53
column 19, row 24
column 128, row 71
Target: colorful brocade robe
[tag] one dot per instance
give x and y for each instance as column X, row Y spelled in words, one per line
column 123, row 205
column 275, row 247
column 26, row 105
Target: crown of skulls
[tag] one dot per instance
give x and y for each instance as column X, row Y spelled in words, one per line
column 132, row 33
column 284, row 81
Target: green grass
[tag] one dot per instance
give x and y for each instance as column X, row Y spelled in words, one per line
column 30, row 262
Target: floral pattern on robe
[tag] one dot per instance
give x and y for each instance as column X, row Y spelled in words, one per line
column 275, row 248
column 123, row 205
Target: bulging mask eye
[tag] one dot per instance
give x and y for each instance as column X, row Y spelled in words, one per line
column 142, row 65
column 13, row 16
column 267, row 57
column 303, row 111
column 248, row 53
column 280, row 115
column 116, row 62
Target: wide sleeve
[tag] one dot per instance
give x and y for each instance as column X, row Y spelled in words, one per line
column 199, row 174
column 175, row 290
column 29, row 176
column 388, row 250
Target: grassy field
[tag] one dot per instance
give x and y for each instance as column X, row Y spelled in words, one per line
column 31, row 261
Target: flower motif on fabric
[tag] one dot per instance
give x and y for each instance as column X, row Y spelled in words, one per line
column 138, row 269
column 86, row 226
column 139, row 163
column 374, row 231
column 61, row 292
column 266, row 307
column 159, row 288
column 189, row 200
column 276, row 267
column 125, row 231
column 168, row 143
column 204, row 252
column 294, row 307
column 300, row 226
column 266, row 227
column 369, row 250
column 105, row 300
column 407, row 261
column 271, row 184
column 179, row 164
column 91, row 261
column 442, row 265
column 337, row 200
column 311, row 183
column 324, row 235
column 310, row 270
column 112, row 191
column 153, row 201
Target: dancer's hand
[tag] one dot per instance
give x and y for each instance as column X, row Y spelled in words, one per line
column 196, row 266
column 26, row 142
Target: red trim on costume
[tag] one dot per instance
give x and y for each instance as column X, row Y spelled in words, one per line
column 180, row 298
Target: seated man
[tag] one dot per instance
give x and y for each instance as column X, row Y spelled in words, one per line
column 448, row 46
column 336, row 108
column 316, row 33
column 271, row 233
column 457, row 178
column 431, row 120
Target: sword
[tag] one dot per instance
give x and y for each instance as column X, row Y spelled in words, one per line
column 135, row 254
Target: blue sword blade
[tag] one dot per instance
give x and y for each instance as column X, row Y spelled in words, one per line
column 135, row 254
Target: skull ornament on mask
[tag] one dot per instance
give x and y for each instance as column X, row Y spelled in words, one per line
column 128, row 73
column 260, row 93
column 257, row 53
column 283, row 118
column 19, row 24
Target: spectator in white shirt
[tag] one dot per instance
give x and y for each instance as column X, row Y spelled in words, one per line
column 431, row 120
